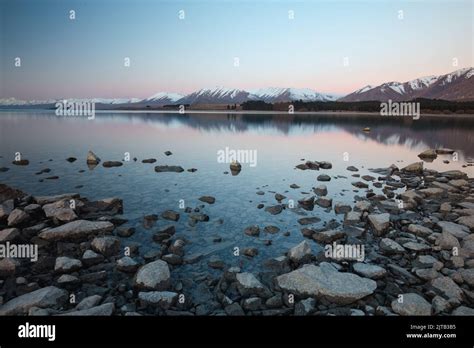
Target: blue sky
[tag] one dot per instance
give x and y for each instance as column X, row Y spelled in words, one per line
column 85, row 57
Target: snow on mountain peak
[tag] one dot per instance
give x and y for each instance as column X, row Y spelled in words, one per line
column 172, row 97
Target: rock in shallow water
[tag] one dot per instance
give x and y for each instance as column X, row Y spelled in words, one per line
column 173, row 169
column 154, row 276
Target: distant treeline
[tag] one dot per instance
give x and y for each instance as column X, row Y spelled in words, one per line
column 426, row 105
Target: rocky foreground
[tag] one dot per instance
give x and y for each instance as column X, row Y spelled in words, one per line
column 418, row 256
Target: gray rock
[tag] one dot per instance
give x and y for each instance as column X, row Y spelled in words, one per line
column 380, row 223
column 321, row 190
column 89, row 302
column 323, row 177
column 362, row 206
column 106, row 309
column 419, row 230
column 325, row 282
column 253, row 231
column 67, row 265
column 67, row 280
column 414, row 168
column 463, row 311
column 17, row 217
column 248, row 284
column 60, row 211
column 360, row 184
column 447, row 241
column 153, row 276
column 448, row 288
column 369, row 271
column 252, row 304
column 8, row 267
column 50, row 296
column 468, row 276
column 275, row 209
column 389, row 246
column 79, row 229
column 308, row 220
column 234, row 310
column 300, row 252
column 42, row 200
column 305, row 307
column 342, row 208
column 328, row 236
column 110, row 164
column 170, row 215
column 440, row 305
column 429, row 154
column 125, row 232
column 414, row 246
column 207, row 199
column 9, row 234
column 173, row 169
column 458, row 231
column 90, row 258
column 127, row 264
column 106, row 246
column 411, row 304
column 162, row 299
column 324, row 202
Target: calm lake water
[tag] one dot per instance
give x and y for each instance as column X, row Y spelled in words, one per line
column 280, row 141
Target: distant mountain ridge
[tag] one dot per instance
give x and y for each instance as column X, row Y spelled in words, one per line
column 215, row 95
column 455, row 86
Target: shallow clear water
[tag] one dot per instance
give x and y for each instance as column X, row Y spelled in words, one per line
column 281, row 142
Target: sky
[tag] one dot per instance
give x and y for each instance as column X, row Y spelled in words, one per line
column 329, row 46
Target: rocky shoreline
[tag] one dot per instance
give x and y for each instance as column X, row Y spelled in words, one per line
column 417, row 255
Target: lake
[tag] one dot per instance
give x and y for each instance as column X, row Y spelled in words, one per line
column 279, row 141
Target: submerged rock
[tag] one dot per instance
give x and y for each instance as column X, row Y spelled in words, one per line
column 172, row 169
column 207, row 199
column 110, row 164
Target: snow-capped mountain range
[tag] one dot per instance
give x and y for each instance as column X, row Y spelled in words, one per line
column 216, row 95
column 458, row 85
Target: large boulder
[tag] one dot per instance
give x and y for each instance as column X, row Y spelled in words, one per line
column 325, row 282
column 75, row 230
column 50, row 296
